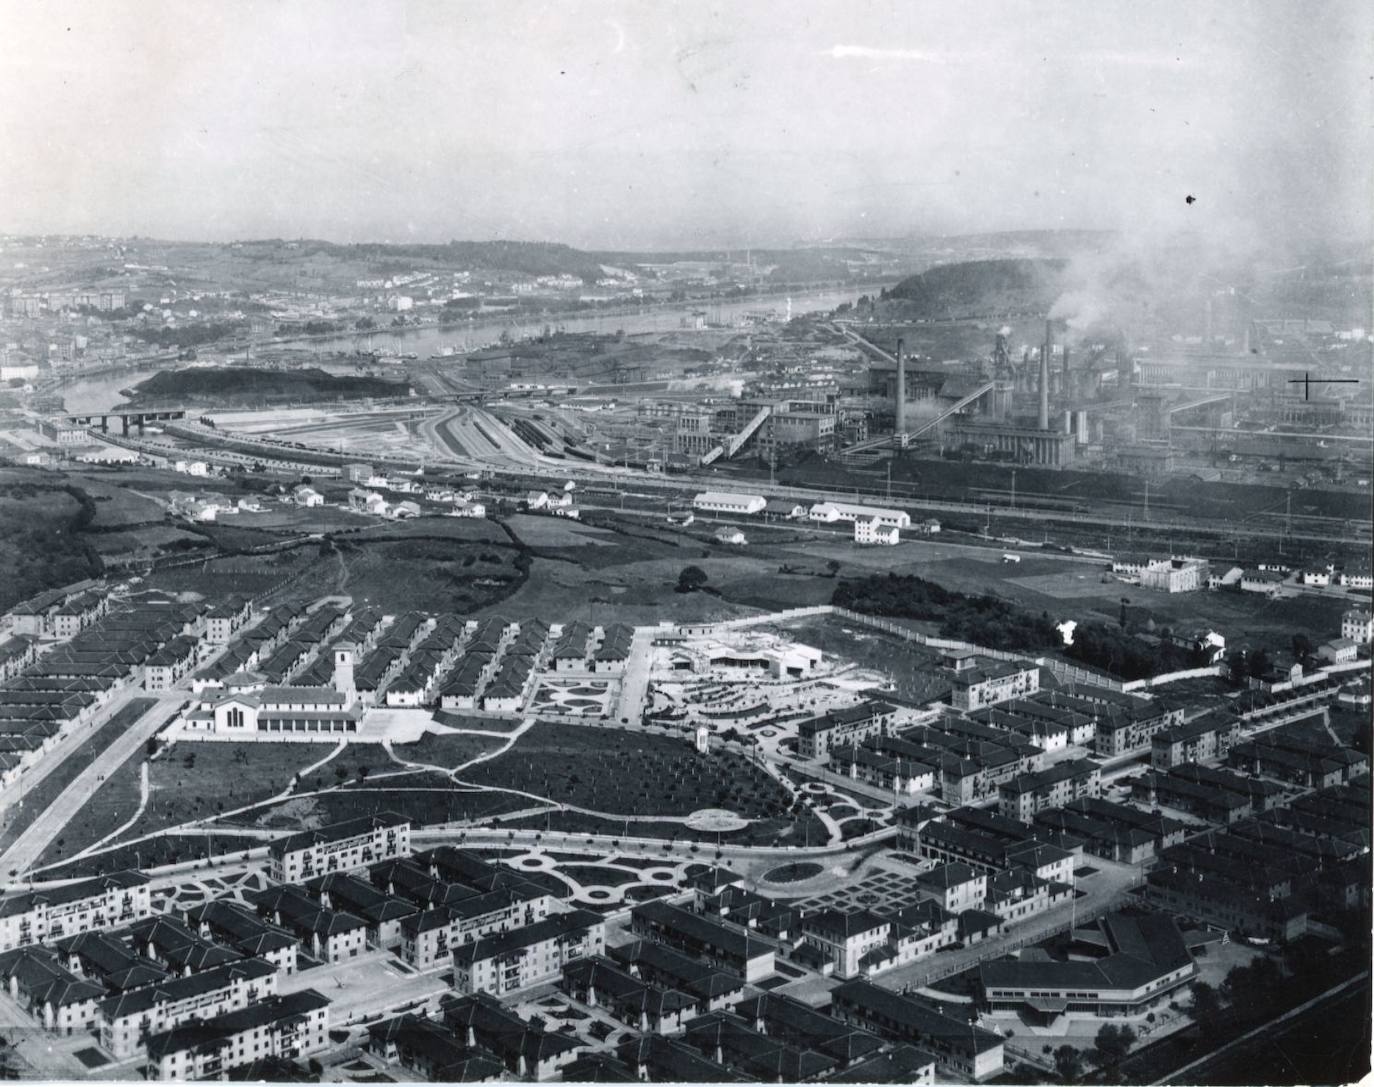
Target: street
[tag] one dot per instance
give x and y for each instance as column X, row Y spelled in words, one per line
column 29, row 846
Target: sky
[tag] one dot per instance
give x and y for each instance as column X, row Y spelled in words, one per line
column 658, row 124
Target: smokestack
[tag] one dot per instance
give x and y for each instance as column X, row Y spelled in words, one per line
column 1043, row 417
column 901, row 389
column 1066, row 388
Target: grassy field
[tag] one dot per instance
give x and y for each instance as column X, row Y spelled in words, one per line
column 37, row 800
column 629, row 773
column 471, row 529
column 446, row 749
column 198, row 780
column 423, row 806
column 142, row 541
column 168, row 849
column 433, row 575
column 119, row 506
column 455, row 719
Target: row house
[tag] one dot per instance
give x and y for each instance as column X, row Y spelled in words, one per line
column 43, row 916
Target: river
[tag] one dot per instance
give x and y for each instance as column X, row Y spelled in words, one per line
column 478, row 333
column 103, row 393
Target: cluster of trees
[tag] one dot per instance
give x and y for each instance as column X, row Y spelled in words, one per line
column 1116, row 650
column 692, row 579
column 44, row 543
column 188, row 335
column 984, row 619
column 1109, row 1049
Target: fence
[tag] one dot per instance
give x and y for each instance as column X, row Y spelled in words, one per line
column 1173, row 677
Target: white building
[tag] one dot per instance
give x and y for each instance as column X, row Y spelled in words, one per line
column 307, row 496
column 1357, row 625
column 724, row 502
column 830, row 512
column 339, row 847
column 1174, row 575
column 875, row 532
column 732, row 536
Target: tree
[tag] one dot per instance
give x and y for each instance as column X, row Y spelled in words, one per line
column 691, row 579
column 1112, row 1044
column 1258, row 663
column 1302, row 646
column 1068, row 1063
column 832, row 566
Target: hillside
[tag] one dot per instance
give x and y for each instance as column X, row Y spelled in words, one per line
column 242, row 385
column 978, row 288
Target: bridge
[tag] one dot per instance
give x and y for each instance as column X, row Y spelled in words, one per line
column 127, row 417
column 1198, row 402
column 929, row 424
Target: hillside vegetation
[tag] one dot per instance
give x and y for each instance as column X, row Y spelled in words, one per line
column 243, row 385
column 978, row 287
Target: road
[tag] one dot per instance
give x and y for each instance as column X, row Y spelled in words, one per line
column 35, row 775
column 29, row 846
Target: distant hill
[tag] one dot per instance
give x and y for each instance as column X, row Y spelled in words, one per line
column 244, row 385
column 528, row 258
column 979, row 287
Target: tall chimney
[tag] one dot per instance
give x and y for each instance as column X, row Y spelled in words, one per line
column 901, row 389
column 1066, row 386
column 1043, row 417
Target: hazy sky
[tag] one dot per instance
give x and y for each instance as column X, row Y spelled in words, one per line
column 659, row 124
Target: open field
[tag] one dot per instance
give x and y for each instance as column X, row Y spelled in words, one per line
column 548, row 531
column 567, row 591
column 433, row 575
column 118, row 506
column 473, row 529
column 37, row 800
column 285, row 518
column 145, row 540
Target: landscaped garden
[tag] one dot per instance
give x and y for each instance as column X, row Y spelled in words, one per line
column 793, row 873
column 621, row 772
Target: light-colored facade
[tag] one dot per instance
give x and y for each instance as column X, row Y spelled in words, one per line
column 339, row 848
